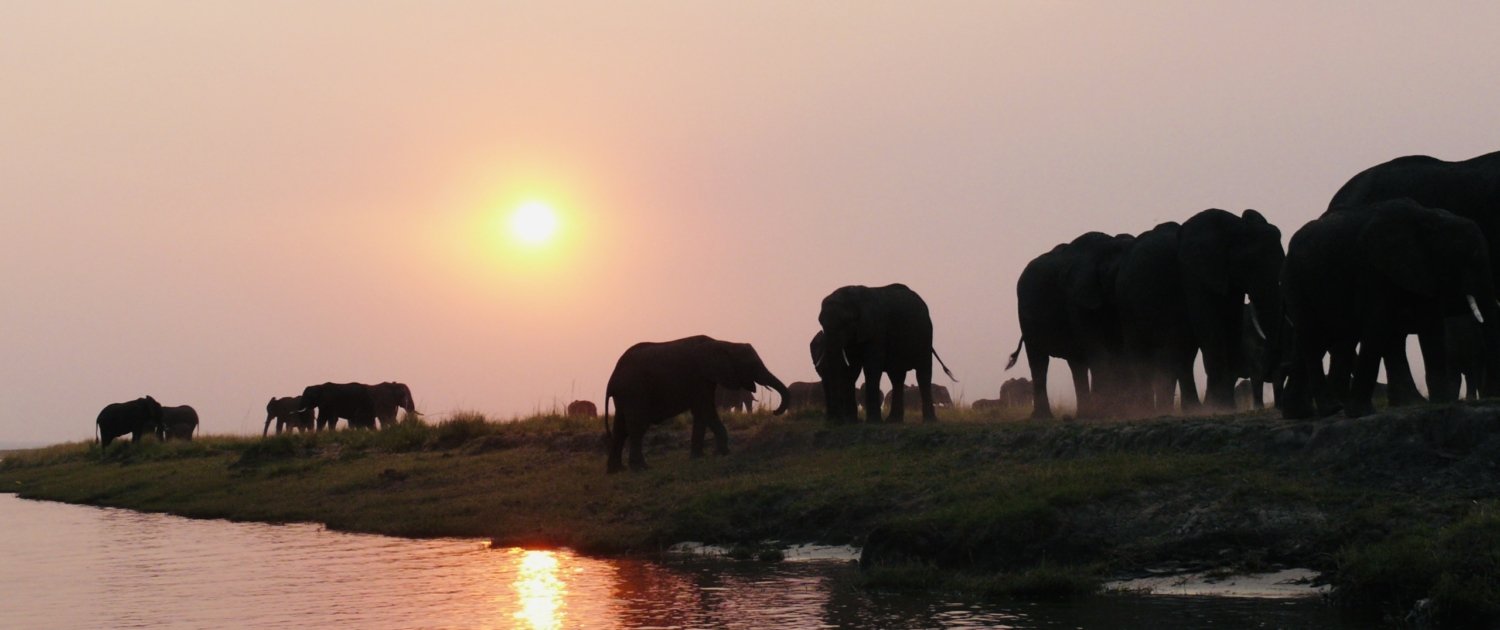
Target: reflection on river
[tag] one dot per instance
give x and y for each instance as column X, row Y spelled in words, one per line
column 64, row 566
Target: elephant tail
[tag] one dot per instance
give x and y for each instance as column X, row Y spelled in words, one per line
column 1015, row 355
column 945, row 366
column 607, row 433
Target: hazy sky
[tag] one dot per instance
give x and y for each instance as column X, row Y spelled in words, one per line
column 217, row 203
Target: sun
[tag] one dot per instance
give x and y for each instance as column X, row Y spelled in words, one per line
column 533, row 223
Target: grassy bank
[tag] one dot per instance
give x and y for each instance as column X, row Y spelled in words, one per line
column 991, row 504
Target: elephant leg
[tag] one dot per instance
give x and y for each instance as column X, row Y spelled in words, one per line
column 704, row 416
column 872, row 395
column 721, row 434
column 1442, row 385
column 637, row 438
column 1401, row 389
column 1080, row 371
column 1340, row 367
column 1488, row 363
column 617, row 446
column 1187, row 383
column 1041, row 407
column 924, row 385
column 898, row 396
column 1377, row 342
column 1257, row 394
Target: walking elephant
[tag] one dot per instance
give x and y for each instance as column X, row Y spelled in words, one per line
column 139, row 418
column 1182, row 289
column 582, row 409
column 351, row 401
column 284, row 411
column 876, row 330
column 177, row 423
column 1066, row 306
column 1468, row 188
column 655, row 381
column 738, row 400
column 1016, row 392
column 940, row 397
column 390, row 397
column 1368, row 277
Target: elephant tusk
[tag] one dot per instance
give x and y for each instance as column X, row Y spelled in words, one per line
column 1474, row 307
column 1255, row 321
column 846, row 357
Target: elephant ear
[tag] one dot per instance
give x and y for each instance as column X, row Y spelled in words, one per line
column 1394, row 249
column 1203, row 254
column 721, row 365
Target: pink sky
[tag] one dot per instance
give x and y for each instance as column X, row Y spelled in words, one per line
column 217, row 203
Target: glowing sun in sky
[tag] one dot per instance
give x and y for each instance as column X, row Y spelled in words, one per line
column 533, row 223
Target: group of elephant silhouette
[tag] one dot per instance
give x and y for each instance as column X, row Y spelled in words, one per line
column 319, row 407
column 1402, row 248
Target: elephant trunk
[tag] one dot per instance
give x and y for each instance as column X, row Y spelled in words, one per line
column 768, row 379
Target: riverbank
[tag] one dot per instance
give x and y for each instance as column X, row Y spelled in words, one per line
column 1392, row 509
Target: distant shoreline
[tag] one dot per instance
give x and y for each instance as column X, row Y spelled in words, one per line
column 1016, row 508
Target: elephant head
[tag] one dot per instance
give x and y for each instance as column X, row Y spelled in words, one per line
column 837, row 372
column 1234, row 256
column 1435, row 255
column 737, row 366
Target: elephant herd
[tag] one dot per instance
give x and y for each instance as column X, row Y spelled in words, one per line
column 144, row 416
column 319, row 407
column 1403, row 248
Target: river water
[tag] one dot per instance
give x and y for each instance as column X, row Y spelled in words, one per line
column 67, row 566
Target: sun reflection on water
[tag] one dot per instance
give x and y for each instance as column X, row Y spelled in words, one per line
column 539, row 592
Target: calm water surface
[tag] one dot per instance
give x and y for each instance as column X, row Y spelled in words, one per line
column 66, row 566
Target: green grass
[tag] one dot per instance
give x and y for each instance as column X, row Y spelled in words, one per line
column 985, row 502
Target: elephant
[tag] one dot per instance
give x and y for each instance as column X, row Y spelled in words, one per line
column 1065, row 303
column 726, row 399
column 1015, row 392
column 1181, row 290
column 390, row 397
column 139, row 418
column 1468, row 188
column 177, row 423
column 284, row 412
column 805, row 395
column 940, row 397
column 1368, row 277
column 1463, row 339
column 985, row 404
column 876, row 330
column 582, row 409
column 352, row 401
column 1258, row 363
column 654, row 381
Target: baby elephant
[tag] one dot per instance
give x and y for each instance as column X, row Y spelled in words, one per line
column 177, row 423
column 284, row 412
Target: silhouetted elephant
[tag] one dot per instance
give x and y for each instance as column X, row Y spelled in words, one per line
column 1464, row 340
column 1368, row 276
column 351, row 401
column 984, row 404
column 582, row 409
column 388, row 398
column 284, row 412
column 1468, row 188
column 655, row 381
column 1016, row 392
column 1066, row 305
column 880, row 330
column 177, row 423
column 726, row 399
column 139, row 418
column 940, row 397
column 805, row 395
column 1182, row 288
